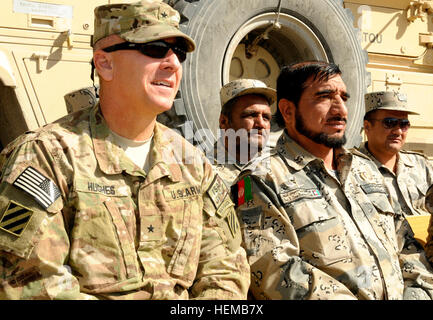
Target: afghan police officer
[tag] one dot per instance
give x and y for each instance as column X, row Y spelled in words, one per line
column 407, row 174
column 245, row 123
column 108, row 203
column 315, row 218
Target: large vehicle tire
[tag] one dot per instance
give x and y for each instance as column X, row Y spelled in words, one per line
column 286, row 31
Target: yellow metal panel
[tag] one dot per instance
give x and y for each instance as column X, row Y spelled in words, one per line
column 388, row 31
column 55, row 78
column 81, row 22
column 419, row 225
column 397, row 4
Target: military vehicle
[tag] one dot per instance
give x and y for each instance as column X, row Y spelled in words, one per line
column 45, row 54
column 380, row 45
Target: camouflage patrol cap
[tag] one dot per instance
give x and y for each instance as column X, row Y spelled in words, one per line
column 387, row 100
column 241, row 87
column 139, row 22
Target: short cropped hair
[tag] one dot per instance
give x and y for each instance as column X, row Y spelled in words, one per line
column 292, row 79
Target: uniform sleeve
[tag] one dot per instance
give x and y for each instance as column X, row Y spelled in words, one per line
column 34, row 243
column 223, row 270
column 273, row 250
column 416, row 270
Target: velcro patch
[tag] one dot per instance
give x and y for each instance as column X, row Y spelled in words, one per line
column 225, row 206
column 15, row 218
column 42, row 189
column 298, row 194
column 217, row 191
column 182, row 191
column 373, row 188
column 232, row 221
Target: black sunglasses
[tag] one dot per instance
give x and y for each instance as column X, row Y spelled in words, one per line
column 391, row 123
column 155, row 49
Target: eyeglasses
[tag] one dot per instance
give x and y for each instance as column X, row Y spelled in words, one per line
column 155, row 49
column 391, row 123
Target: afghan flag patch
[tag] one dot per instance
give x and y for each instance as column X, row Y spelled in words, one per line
column 242, row 191
column 15, row 219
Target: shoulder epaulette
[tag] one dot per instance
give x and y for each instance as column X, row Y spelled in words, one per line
column 358, row 153
column 419, row 153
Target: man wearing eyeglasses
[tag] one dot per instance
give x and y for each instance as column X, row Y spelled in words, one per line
column 106, row 203
column 407, row 174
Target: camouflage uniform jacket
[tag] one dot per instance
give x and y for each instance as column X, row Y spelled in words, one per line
column 116, row 232
column 310, row 236
column 409, row 185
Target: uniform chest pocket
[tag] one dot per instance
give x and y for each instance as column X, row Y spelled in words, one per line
column 417, row 195
column 171, row 228
column 102, row 242
column 377, row 200
column 380, row 213
column 321, row 234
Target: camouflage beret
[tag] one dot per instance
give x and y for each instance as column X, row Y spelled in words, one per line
column 139, row 22
column 241, row 87
column 387, row 100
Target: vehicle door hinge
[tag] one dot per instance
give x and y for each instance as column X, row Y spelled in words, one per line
column 40, row 58
column 393, row 82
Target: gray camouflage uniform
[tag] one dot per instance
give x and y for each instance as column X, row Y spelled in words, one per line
column 310, row 236
column 408, row 186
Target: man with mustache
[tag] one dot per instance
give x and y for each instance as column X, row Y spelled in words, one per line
column 315, row 218
column 245, row 121
column 407, row 174
column 107, row 203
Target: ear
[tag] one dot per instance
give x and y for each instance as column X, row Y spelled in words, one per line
column 367, row 126
column 103, row 64
column 224, row 122
column 287, row 109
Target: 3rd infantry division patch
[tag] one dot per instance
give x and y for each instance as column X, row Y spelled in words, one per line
column 15, row 219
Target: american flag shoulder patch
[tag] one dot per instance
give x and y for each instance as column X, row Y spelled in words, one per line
column 15, row 218
column 41, row 188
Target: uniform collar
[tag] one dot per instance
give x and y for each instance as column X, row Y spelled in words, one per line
column 112, row 159
column 402, row 159
column 363, row 149
column 405, row 160
column 295, row 156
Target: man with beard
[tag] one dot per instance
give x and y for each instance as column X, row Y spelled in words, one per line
column 245, row 121
column 315, row 218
